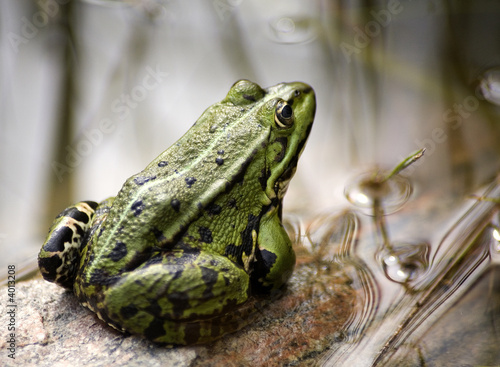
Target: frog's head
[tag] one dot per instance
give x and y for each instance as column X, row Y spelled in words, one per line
column 287, row 111
column 291, row 115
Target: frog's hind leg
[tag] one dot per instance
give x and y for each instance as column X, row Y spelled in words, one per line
column 59, row 256
column 180, row 298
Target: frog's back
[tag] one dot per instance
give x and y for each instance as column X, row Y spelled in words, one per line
column 155, row 207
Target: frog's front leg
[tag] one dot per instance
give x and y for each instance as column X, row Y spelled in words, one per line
column 59, row 256
column 275, row 259
column 179, row 297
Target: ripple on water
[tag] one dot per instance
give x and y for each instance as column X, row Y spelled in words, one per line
column 367, row 191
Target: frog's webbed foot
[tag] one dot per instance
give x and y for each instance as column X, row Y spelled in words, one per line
column 180, row 297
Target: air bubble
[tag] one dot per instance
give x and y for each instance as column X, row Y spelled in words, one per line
column 404, row 262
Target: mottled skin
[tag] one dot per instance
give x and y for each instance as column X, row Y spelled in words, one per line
column 177, row 253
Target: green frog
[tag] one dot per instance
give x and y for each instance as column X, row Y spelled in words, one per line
column 181, row 250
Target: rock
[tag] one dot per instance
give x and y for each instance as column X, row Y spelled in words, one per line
column 53, row 329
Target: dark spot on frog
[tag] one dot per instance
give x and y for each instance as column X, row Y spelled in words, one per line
column 175, row 204
column 118, row 252
column 220, row 152
column 216, row 328
column 128, row 311
column 231, row 203
column 49, row 266
column 214, row 209
column 155, row 329
column 158, row 235
column 58, row 238
column 79, row 230
column 141, row 180
column 209, row 277
column 227, row 281
column 199, row 205
column 92, row 204
column 162, row 163
column 284, row 143
column 75, row 213
column 101, row 277
column 205, row 235
column 180, row 302
column 264, row 175
column 249, row 97
column 154, row 308
column 219, row 161
column 192, row 332
column 232, row 251
column 138, row 207
column 190, row 181
column 246, row 234
column 240, row 174
column 265, row 261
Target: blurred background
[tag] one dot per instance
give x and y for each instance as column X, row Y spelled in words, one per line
column 92, row 91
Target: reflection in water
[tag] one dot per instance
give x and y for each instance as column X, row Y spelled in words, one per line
column 382, row 192
column 490, row 85
column 334, row 238
column 363, row 192
column 395, row 330
column 404, row 262
column 495, row 246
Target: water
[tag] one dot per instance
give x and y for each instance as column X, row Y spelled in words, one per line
column 490, row 85
column 409, row 287
column 390, row 195
column 404, row 262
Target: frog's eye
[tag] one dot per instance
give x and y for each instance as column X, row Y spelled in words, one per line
column 283, row 115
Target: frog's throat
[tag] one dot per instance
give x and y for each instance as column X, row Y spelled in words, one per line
column 282, row 180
